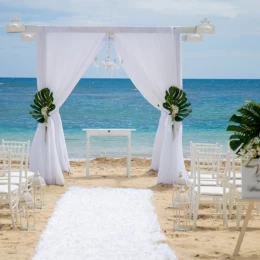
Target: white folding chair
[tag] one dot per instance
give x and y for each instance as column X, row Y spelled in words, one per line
column 206, row 179
column 234, row 178
column 26, row 173
column 8, row 191
column 203, row 147
column 235, row 164
column 216, row 165
column 17, row 159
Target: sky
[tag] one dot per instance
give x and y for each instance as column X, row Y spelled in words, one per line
column 233, row 52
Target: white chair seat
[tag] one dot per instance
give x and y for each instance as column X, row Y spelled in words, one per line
column 14, row 180
column 17, row 174
column 211, row 191
column 4, row 188
column 204, row 175
column 204, row 182
column 237, row 182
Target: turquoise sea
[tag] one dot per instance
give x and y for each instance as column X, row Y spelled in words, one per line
column 116, row 103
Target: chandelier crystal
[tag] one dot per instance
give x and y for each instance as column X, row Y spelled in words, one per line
column 109, row 64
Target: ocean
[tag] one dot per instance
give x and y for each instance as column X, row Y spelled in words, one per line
column 116, row 103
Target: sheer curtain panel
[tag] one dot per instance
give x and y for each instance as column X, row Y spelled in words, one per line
column 63, row 56
column 153, row 63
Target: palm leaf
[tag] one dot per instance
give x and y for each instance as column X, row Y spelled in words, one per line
column 43, row 98
column 177, row 97
column 247, row 126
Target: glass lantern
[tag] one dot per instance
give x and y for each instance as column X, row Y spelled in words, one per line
column 177, row 184
column 27, row 214
column 181, row 204
column 39, row 185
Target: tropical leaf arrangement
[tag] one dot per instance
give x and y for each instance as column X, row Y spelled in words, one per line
column 245, row 140
column 177, row 104
column 42, row 106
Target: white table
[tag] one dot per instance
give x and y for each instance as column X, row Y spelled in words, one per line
column 109, row 132
column 243, row 230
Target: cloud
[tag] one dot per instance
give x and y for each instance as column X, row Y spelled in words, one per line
column 186, row 7
column 132, row 10
column 237, row 26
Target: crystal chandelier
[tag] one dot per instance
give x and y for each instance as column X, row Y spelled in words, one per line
column 109, row 64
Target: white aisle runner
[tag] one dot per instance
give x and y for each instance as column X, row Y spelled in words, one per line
column 104, row 224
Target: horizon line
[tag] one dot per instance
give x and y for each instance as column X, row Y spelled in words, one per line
column 111, row 78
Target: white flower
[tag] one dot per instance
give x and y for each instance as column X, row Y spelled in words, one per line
column 175, row 109
column 242, row 152
column 44, row 111
column 249, row 147
column 252, row 152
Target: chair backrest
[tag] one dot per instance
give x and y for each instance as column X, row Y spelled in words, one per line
column 26, row 147
column 16, row 156
column 204, row 148
column 5, row 166
column 2, row 162
column 215, row 164
column 235, row 164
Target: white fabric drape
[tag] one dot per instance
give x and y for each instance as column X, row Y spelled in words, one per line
column 153, row 63
column 62, row 59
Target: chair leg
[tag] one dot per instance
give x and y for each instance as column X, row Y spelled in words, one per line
column 239, row 210
column 217, row 205
column 191, row 203
column 195, row 212
column 225, row 218
column 231, row 203
column 12, row 214
column 16, row 211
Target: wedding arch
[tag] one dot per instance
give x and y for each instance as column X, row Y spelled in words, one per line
column 152, row 60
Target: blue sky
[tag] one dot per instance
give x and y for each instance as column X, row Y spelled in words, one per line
column 233, row 52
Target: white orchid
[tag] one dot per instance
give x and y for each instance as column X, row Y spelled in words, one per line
column 175, row 109
column 44, row 111
column 242, row 152
column 256, row 140
column 251, row 151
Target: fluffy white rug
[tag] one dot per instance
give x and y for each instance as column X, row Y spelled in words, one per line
column 103, row 224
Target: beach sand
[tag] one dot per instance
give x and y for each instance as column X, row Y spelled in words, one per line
column 209, row 241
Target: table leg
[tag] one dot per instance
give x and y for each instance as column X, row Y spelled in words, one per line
column 128, row 156
column 243, row 230
column 87, row 158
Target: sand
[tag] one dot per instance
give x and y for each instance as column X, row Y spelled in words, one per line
column 209, row 241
